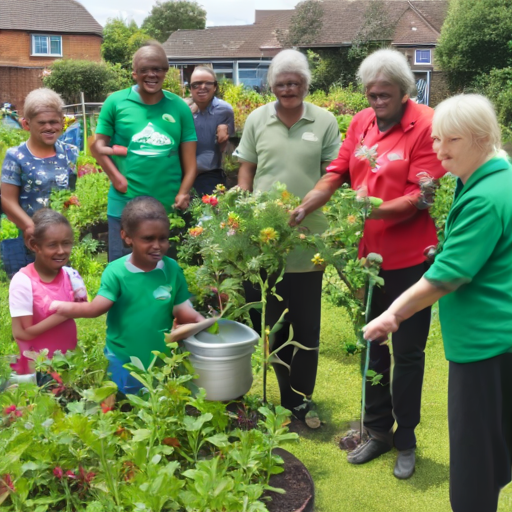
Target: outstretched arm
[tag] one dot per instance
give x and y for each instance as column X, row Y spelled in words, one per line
column 184, row 313
column 314, row 199
column 99, row 306
column 417, row 297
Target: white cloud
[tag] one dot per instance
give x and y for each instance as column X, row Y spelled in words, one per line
column 219, row 12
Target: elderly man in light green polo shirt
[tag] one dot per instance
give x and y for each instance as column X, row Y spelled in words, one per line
column 289, row 141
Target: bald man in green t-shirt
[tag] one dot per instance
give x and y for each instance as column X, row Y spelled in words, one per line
column 145, row 143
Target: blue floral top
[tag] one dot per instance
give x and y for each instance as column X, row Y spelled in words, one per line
column 37, row 177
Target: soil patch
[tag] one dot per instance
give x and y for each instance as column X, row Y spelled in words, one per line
column 298, row 484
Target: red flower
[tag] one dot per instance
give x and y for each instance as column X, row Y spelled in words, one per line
column 57, row 377
column 10, row 409
column 210, row 200
column 18, row 413
column 58, row 472
column 106, row 408
column 6, row 484
column 71, row 475
column 85, row 477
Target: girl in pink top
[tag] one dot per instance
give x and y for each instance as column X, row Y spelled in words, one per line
column 35, row 286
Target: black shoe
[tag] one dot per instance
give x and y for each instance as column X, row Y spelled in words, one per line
column 405, row 463
column 368, row 451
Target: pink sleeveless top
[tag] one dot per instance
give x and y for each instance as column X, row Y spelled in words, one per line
column 63, row 337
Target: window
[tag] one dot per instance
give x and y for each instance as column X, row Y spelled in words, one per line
column 422, row 57
column 47, row 45
column 253, row 74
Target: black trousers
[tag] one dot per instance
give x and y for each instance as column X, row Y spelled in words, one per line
column 206, row 182
column 403, row 401
column 301, row 293
column 480, row 425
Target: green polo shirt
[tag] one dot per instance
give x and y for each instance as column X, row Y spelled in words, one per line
column 292, row 156
column 475, row 263
column 142, row 309
column 152, row 134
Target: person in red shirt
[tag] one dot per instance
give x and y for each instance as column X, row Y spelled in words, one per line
column 387, row 152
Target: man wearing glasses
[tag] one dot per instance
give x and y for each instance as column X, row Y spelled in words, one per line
column 145, row 143
column 215, row 123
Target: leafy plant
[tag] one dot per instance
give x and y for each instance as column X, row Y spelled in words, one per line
column 161, row 450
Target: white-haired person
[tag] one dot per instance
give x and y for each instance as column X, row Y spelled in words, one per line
column 387, row 149
column 291, row 141
column 145, row 143
column 43, row 163
column 471, row 278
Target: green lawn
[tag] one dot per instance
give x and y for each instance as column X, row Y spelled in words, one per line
column 372, row 487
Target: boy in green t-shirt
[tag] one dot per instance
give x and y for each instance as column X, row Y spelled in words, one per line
column 142, row 292
column 145, row 143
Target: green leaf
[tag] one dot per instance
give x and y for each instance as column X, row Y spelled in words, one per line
column 141, row 434
column 107, row 389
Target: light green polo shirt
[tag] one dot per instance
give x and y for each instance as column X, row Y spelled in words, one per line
column 476, row 264
column 152, row 134
column 291, row 156
column 142, row 309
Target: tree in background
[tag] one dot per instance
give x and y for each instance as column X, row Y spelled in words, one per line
column 305, row 25
column 121, row 40
column 95, row 79
column 167, row 17
column 338, row 66
column 475, row 39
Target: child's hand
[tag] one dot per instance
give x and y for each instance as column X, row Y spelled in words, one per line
column 60, row 307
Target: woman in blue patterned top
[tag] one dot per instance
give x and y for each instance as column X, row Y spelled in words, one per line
column 33, row 169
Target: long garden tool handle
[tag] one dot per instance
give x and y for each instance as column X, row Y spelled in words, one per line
column 371, row 284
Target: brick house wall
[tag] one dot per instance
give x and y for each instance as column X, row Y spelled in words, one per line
column 17, row 82
column 16, row 48
column 21, row 73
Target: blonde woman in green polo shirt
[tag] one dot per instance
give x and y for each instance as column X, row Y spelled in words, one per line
column 289, row 141
column 472, row 279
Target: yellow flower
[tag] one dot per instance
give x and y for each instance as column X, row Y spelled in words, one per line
column 233, row 220
column 285, row 195
column 268, row 234
column 351, row 219
column 317, row 259
column 222, row 225
column 195, row 231
column 302, row 236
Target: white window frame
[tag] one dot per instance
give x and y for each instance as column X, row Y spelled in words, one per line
column 423, row 50
column 48, row 37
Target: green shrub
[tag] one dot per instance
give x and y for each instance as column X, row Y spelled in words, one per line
column 95, row 79
column 172, row 81
column 340, row 101
column 497, row 86
column 10, row 137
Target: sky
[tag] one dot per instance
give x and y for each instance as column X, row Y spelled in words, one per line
column 219, row 12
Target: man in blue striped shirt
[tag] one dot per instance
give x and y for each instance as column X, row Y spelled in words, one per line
column 215, row 123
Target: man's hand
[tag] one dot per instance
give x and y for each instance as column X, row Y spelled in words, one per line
column 182, row 201
column 380, row 327
column 120, row 183
column 28, row 233
column 222, row 133
column 297, row 216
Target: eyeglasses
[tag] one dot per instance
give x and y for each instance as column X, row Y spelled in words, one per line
column 208, row 85
column 289, row 85
column 156, row 71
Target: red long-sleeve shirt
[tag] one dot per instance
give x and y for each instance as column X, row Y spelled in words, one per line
column 400, row 154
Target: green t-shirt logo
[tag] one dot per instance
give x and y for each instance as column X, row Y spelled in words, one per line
column 150, row 142
column 163, row 293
